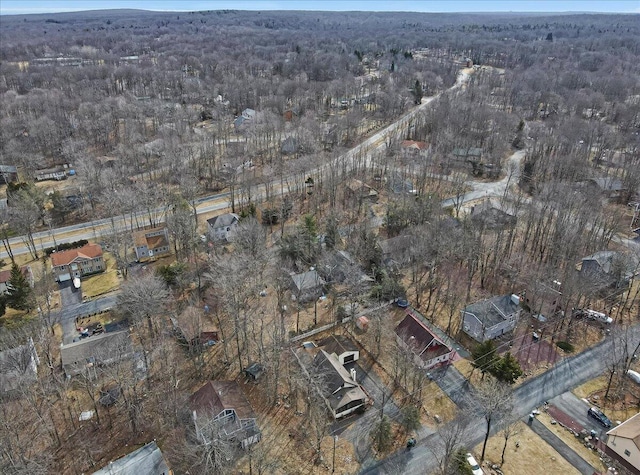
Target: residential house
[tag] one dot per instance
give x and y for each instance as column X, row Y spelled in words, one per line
column 247, row 116
column 466, row 154
column 5, row 276
column 610, row 186
column 623, row 444
column 491, row 214
column 91, row 353
column 194, row 329
column 339, row 388
column 339, row 267
column 18, row 367
column 79, row 262
column 152, row 242
column 8, row 174
column 289, row 146
column 428, row 350
column 491, row 318
column 220, row 408
column 147, row 460
column 222, row 227
column 608, row 269
column 307, row 286
column 395, row 251
column 359, row 192
column 412, row 149
column 56, row 174
column 341, row 347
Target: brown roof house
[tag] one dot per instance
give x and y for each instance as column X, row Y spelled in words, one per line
column 79, row 262
column 491, row 318
column 429, row 351
column 152, row 242
column 220, row 409
column 147, row 460
column 18, row 367
column 96, row 351
column 5, row 276
column 357, row 191
column 623, row 443
column 339, row 387
column 341, row 347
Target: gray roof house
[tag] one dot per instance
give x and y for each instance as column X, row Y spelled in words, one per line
column 307, row 286
column 147, row 460
column 491, row 318
column 222, row 227
column 220, row 408
column 95, row 351
column 341, row 392
column 18, row 366
column 606, row 269
column 8, row 174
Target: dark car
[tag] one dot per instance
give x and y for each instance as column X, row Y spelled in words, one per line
column 599, row 416
column 402, row 302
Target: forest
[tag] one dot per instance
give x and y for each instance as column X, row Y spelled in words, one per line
column 326, row 184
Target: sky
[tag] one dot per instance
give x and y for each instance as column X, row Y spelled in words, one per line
column 16, row 7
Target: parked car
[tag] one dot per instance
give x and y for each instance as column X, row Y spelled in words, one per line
column 402, row 303
column 475, row 468
column 633, row 376
column 599, row 416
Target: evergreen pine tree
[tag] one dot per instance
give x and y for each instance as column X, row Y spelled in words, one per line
column 19, row 292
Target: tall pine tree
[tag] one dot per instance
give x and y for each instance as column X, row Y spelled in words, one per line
column 19, row 292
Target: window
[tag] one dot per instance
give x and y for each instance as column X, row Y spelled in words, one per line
column 627, row 453
column 349, row 358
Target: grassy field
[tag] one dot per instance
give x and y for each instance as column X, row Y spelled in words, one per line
column 533, row 456
column 102, row 283
column 574, row 442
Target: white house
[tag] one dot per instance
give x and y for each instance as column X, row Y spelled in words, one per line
column 222, row 228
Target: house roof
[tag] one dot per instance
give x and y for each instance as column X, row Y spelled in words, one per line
column 16, row 366
column 337, row 344
column 104, row 348
column 396, row 245
column 147, row 460
column 467, row 152
column 604, row 259
column 142, row 237
column 307, row 280
column 5, row 275
column 494, row 310
column 64, row 258
column 418, row 337
column 8, row 169
column 359, row 187
column 414, row 144
column 336, row 384
column 223, row 220
column 608, row 183
column 216, row 396
column 493, row 214
column 629, row 429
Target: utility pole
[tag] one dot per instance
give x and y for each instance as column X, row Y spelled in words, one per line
column 333, row 466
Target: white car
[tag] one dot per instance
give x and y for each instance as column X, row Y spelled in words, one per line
column 475, row 468
column 633, row 376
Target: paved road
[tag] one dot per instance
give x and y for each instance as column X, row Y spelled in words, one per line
column 67, row 315
column 563, row 449
column 359, row 156
column 576, row 409
column 567, row 374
